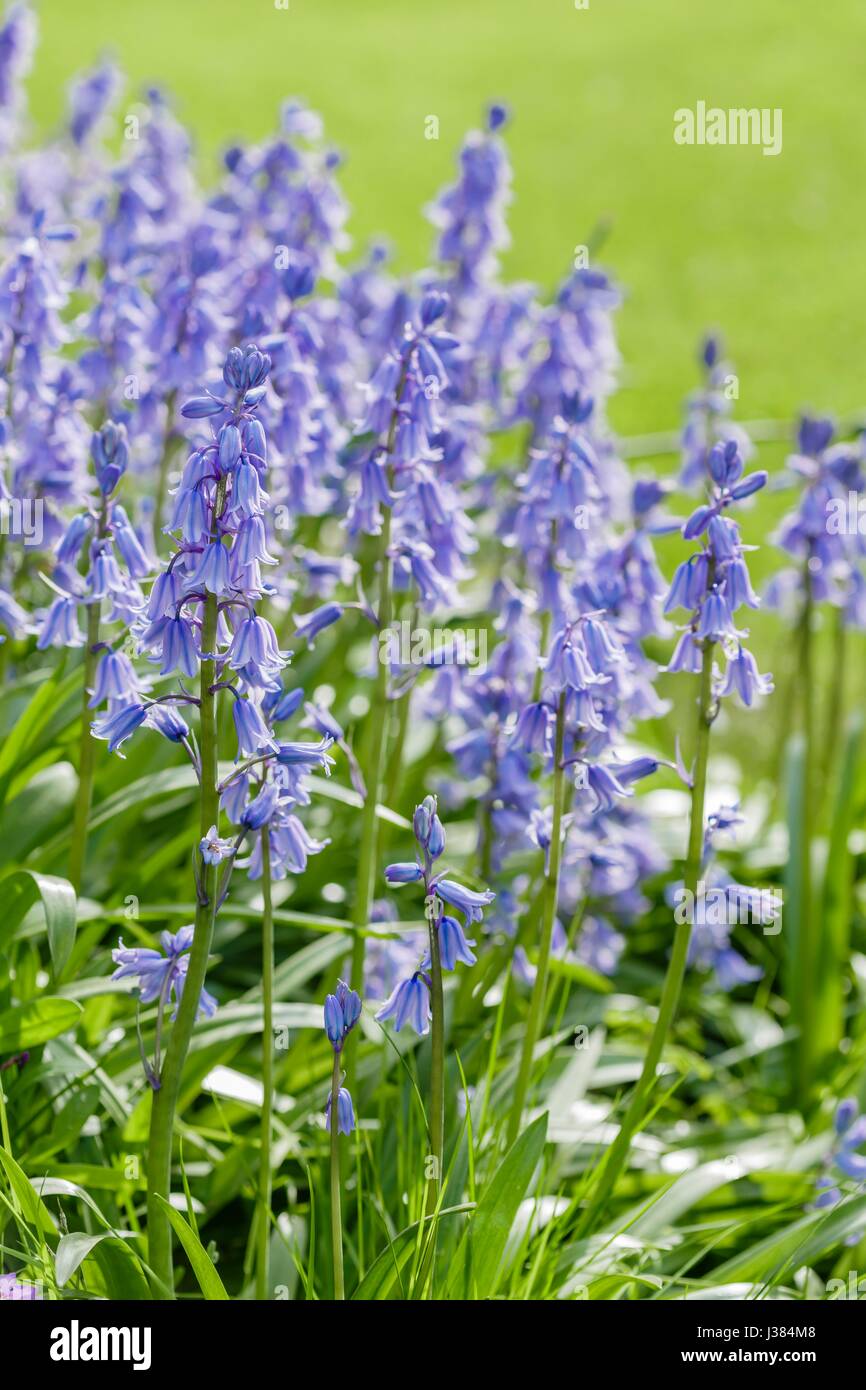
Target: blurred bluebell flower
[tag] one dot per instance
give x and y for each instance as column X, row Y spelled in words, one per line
column 15, row 1290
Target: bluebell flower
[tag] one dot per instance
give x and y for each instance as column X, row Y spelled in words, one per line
column 213, row 568
column 60, row 625
column 409, row 1003
column 213, row 850
column 407, row 872
column 534, row 730
column 466, row 900
column 120, row 725
column 90, row 97
column 311, row 624
column 253, row 734
column 115, row 679
column 843, row 1161
column 15, row 1290
column 342, row 1011
column 306, row 755
column 261, row 810
column 179, row 651
column 744, row 678
column 161, row 975
column 345, row 1112
column 110, row 453
column 168, row 722
column 454, row 945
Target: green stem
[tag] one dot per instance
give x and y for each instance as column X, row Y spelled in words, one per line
column 336, row 1217
column 165, row 1099
column 437, row 1069
column 87, row 745
column 551, row 894
column 617, row 1154
column 263, row 1226
column 373, row 770
column 834, row 722
column 375, row 764
column 807, row 955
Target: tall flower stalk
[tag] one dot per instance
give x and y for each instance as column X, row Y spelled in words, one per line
column 420, row 999
column 712, row 584
column 342, row 1011
column 399, row 505
column 826, row 571
column 191, row 614
column 538, row 999
column 116, row 561
column 165, row 1096
column 86, row 746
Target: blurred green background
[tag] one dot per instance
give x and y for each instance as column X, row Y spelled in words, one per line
column 769, row 250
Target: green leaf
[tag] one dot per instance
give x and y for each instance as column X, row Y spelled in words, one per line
column 37, row 811
column 387, row 1269
column 795, row 1245
column 31, row 1204
column 75, row 1247
column 21, row 890
column 202, row 1265
column 481, row 1250
column 28, row 1025
column 17, row 743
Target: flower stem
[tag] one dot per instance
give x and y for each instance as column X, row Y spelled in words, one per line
column 87, row 746
column 617, row 1154
column 379, row 711
column 806, row 955
column 379, row 722
column 551, row 894
column 336, row 1216
column 437, row 1069
column 263, row 1227
column 165, row 1098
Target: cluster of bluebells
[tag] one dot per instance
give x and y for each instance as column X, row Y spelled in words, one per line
column 116, row 558
column 721, row 904
column 844, row 1163
column 822, row 535
column 160, row 975
column 713, row 584
column 375, row 405
column 342, row 1011
column 708, row 415
column 221, row 547
column 409, row 1001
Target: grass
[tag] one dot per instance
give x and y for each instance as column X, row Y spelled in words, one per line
column 766, row 249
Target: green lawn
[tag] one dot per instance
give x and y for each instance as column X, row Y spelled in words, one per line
column 767, row 249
